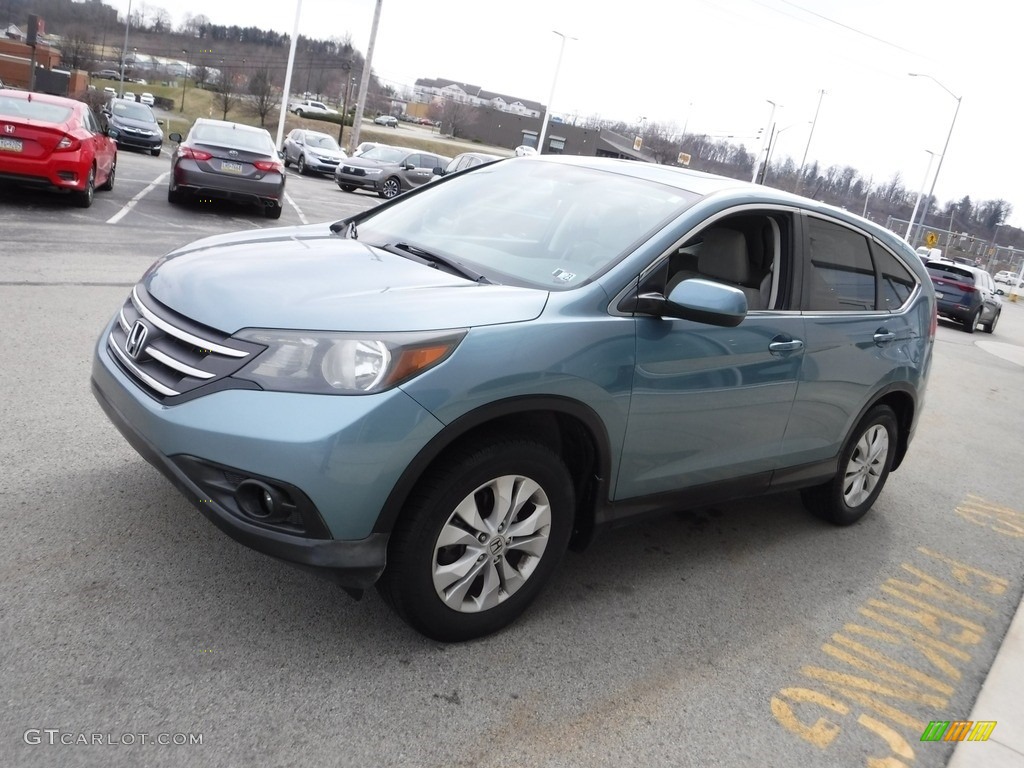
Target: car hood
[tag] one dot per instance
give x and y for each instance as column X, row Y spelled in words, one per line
column 335, row 154
column 359, row 161
column 307, row 278
column 129, row 122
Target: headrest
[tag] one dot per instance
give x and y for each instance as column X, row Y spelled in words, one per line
column 723, row 256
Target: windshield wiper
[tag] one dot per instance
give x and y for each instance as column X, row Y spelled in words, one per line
column 437, row 261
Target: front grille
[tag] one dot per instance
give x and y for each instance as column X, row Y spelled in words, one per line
column 353, row 171
column 170, row 356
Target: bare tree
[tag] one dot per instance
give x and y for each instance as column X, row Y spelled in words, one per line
column 263, row 93
column 454, row 116
column 226, row 99
column 160, row 20
column 76, row 51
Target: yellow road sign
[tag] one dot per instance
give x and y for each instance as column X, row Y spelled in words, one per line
column 931, row 239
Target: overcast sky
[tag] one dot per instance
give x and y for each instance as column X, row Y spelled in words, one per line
column 714, row 65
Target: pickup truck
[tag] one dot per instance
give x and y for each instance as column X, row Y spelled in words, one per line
column 310, row 107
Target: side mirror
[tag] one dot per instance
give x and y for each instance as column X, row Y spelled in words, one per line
column 439, row 171
column 175, row 137
column 408, row 166
column 703, row 301
column 280, row 154
column 159, row 122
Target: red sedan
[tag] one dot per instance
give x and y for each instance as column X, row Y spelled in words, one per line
column 56, row 143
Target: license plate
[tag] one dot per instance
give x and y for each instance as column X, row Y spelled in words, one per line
column 10, row 145
column 229, row 167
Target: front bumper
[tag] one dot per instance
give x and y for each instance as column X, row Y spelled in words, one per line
column 359, row 182
column 339, row 457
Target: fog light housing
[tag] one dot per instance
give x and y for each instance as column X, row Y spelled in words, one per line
column 263, row 502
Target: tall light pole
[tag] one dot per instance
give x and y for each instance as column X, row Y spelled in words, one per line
column 772, row 142
column 803, row 161
column 288, row 74
column 184, row 79
column 764, row 138
column 928, row 170
column 551, row 98
column 124, row 48
column 942, row 157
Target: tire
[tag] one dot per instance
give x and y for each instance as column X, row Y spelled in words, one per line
column 300, row 166
column 392, row 188
column 109, row 183
column 286, row 161
column 864, row 466
column 298, row 113
column 84, row 198
column 347, row 187
column 991, row 326
column 174, row 196
column 454, row 578
column 155, row 152
column 972, row 322
column 273, row 211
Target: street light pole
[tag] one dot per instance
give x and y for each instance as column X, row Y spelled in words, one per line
column 803, row 161
column 124, row 48
column 942, row 157
column 764, row 138
column 285, row 95
column 551, row 98
column 928, row 170
column 184, row 79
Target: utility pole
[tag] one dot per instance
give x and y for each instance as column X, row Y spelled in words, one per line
column 803, row 162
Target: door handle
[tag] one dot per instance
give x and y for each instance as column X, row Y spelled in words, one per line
column 882, row 336
column 791, row 345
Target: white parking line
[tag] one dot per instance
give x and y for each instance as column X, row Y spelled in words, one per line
column 302, row 216
column 131, row 203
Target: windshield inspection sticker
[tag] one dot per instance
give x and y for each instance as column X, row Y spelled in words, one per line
column 561, row 274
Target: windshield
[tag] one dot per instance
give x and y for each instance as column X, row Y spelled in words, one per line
column 385, row 154
column 321, row 140
column 229, row 136
column 531, row 223
column 133, row 111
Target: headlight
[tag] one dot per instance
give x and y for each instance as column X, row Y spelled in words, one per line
column 343, row 363
column 373, row 171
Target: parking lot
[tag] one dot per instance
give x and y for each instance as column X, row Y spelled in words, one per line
column 744, row 634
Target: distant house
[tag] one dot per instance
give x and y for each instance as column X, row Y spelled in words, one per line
column 428, row 90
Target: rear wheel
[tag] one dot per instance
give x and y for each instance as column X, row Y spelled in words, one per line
column 479, row 538
column 864, row 466
column 84, row 198
column 972, row 322
column 991, row 326
column 273, row 211
column 391, row 188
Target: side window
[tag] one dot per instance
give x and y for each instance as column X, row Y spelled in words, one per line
column 414, row 160
column 91, row 122
column 895, row 283
column 751, row 251
column 840, row 275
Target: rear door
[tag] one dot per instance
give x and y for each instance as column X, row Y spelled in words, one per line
column 860, row 333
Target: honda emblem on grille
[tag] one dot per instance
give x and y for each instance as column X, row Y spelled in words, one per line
column 136, row 340
column 8, row 128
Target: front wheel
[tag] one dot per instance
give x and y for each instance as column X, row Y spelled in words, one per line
column 391, row 188
column 479, row 538
column 864, row 466
column 347, row 187
column 109, row 183
column 300, row 166
column 155, row 151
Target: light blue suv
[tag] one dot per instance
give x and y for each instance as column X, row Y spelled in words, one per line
column 441, row 394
